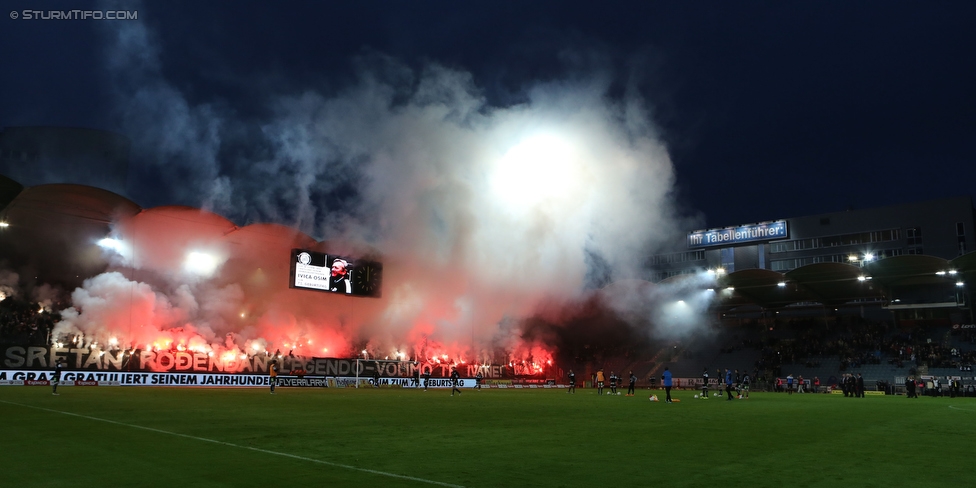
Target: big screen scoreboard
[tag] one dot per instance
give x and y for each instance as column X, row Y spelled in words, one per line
column 332, row 273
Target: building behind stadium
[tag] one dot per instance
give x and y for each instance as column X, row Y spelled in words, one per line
column 912, row 263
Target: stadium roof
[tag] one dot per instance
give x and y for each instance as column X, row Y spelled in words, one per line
column 840, row 283
column 53, row 229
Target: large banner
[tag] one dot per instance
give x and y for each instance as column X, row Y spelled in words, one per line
column 33, row 358
column 742, row 234
column 88, row 378
column 404, row 369
column 44, row 357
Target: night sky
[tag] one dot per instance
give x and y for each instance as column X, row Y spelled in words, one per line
column 767, row 110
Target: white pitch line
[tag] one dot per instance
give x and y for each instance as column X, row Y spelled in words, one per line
column 255, row 449
column 963, row 409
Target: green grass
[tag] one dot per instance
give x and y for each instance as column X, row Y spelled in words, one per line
column 92, row 436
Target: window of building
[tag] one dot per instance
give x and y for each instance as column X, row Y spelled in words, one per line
column 858, row 238
column 782, row 264
column 775, row 247
column 913, row 236
column 677, row 257
column 728, row 259
column 888, row 253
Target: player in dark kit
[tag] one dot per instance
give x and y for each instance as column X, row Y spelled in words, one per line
column 572, row 382
column 426, row 378
column 728, row 383
column 477, row 380
column 455, row 379
column 705, row 384
column 633, row 383
column 57, row 377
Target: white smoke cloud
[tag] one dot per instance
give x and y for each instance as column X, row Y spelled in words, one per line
column 8, row 284
column 479, row 211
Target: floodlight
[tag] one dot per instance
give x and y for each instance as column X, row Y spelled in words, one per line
column 536, row 169
column 201, row 263
column 109, row 243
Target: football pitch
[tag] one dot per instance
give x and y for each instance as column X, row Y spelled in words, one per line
column 179, row 437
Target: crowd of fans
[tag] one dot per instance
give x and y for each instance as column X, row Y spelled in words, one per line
column 856, row 342
column 25, row 322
